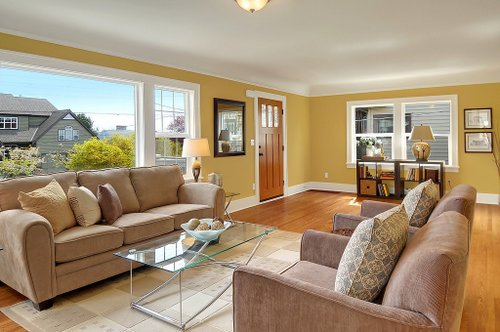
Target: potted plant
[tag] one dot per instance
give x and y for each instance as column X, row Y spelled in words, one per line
column 368, row 143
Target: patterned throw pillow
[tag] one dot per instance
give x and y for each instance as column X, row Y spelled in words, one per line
column 371, row 254
column 51, row 203
column 84, row 205
column 420, row 202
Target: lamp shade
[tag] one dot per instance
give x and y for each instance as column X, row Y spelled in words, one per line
column 224, row 135
column 195, row 147
column 252, row 5
column 422, row 133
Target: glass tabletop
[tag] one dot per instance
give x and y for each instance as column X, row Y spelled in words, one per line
column 178, row 251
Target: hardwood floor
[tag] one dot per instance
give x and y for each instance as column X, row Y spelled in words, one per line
column 314, row 210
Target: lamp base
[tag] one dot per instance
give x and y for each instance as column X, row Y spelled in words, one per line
column 421, row 151
column 196, row 170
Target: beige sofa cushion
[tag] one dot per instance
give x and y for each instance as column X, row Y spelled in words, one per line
column 183, row 212
column 142, row 226
column 371, row 254
column 84, row 205
column 9, row 189
column 119, row 179
column 156, row 186
column 51, row 203
column 420, row 202
column 79, row 242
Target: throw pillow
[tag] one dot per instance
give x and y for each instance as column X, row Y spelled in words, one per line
column 420, row 202
column 51, row 203
column 109, row 202
column 371, row 254
column 84, row 205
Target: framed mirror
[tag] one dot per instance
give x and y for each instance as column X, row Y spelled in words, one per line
column 229, row 127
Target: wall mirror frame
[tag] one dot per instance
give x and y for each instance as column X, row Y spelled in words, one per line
column 229, row 127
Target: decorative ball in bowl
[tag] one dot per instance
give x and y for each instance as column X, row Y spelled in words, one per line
column 206, row 229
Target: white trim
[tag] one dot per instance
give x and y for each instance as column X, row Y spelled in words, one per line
column 243, row 203
column 144, row 92
column 332, row 186
column 484, row 198
column 399, row 121
column 260, row 94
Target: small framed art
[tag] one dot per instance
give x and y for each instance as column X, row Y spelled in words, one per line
column 477, row 118
column 479, row 142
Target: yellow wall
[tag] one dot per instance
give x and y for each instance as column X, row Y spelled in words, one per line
column 328, row 134
column 316, row 125
column 238, row 171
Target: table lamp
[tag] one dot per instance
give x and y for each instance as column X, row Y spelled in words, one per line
column 196, row 147
column 224, row 138
column 421, row 150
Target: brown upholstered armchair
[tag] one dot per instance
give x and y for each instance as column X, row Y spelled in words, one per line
column 425, row 291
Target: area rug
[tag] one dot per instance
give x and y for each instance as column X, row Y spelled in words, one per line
column 104, row 306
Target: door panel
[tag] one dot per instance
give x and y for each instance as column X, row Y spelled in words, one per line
column 271, row 181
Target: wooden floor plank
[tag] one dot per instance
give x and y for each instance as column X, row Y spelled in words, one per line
column 314, row 210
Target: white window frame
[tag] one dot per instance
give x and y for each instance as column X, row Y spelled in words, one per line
column 144, row 94
column 399, row 138
column 192, row 129
column 12, row 120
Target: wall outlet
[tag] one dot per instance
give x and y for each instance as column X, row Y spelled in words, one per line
column 326, row 175
column 252, row 142
column 253, row 186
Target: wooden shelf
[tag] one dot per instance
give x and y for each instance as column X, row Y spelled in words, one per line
column 397, row 167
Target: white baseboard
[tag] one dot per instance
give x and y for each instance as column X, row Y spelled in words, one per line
column 488, row 198
column 331, row 186
column 248, row 202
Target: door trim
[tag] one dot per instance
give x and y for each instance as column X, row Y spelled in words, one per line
column 255, row 94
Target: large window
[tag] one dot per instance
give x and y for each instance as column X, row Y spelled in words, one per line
column 390, row 121
column 76, row 116
column 171, row 126
column 9, row 122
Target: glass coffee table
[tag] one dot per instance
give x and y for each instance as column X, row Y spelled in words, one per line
column 178, row 252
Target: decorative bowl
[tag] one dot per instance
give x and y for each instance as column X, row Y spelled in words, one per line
column 206, row 236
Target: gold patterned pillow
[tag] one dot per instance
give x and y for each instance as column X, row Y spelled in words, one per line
column 371, row 254
column 51, row 203
column 84, row 205
column 420, row 202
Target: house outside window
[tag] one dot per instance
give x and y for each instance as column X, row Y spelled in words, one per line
column 9, row 122
column 172, row 126
column 68, row 134
column 391, row 121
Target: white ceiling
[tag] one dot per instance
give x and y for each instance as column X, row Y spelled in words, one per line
column 315, row 47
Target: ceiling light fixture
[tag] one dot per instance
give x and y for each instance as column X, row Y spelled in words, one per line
column 252, row 5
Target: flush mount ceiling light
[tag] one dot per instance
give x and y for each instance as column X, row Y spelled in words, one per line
column 252, row 5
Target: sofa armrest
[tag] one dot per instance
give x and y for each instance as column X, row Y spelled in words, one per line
column 266, row 301
column 349, row 221
column 371, row 208
column 205, row 194
column 28, row 257
column 323, row 248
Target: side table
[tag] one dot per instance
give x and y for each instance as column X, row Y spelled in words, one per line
column 229, row 199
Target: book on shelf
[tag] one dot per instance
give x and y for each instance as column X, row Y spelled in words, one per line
column 383, row 190
column 386, row 175
column 413, row 174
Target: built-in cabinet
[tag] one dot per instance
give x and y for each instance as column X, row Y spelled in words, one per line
column 394, row 178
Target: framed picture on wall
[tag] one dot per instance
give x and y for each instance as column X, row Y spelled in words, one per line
column 477, row 118
column 479, row 142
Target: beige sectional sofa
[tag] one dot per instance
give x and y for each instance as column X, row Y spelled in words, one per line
column 41, row 266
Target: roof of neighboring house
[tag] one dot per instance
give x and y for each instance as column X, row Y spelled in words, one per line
column 10, row 104
column 49, row 123
column 17, row 136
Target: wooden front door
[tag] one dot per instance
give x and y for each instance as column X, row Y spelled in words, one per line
column 271, row 181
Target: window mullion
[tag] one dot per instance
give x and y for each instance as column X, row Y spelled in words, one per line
column 398, row 139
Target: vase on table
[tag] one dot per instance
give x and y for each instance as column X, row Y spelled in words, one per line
column 370, row 150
